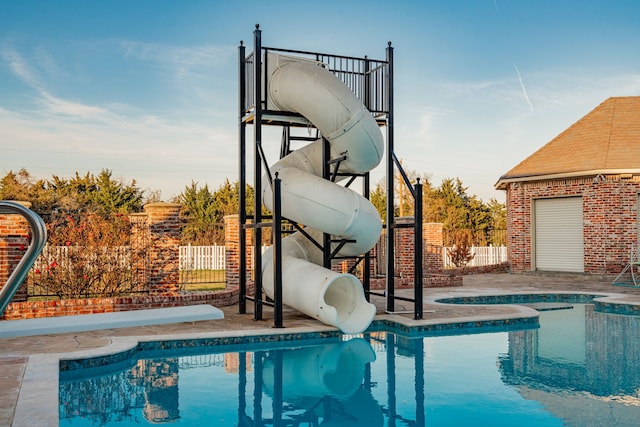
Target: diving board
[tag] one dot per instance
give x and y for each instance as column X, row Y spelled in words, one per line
column 94, row 322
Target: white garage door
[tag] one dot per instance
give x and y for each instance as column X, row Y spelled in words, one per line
column 559, row 242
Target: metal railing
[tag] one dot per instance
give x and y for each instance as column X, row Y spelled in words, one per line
column 364, row 76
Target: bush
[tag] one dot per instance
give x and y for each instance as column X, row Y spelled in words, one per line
column 87, row 256
column 461, row 254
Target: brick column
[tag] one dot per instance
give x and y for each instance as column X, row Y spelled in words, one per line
column 14, row 241
column 433, row 246
column 518, row 228
column 375, row 255
column 232, row 250
column 404, row 250
column 432, row 233
column 164, row 236
column 139, row 249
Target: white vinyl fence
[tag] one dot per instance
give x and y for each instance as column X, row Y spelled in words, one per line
column 201, row 257
column 59, row 255
column 212, row 257
column 483, row 255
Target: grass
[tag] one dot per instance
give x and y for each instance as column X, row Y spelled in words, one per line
column 205, row 286
column 193, row 280
column 203, row 280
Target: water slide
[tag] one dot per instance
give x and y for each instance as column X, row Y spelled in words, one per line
column 336, row 299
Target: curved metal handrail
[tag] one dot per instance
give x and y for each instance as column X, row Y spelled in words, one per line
column 38, row 240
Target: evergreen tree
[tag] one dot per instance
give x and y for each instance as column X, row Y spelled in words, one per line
column 199, row 215
column 203, row 212
column 378, row 197
column 113, row 196
column 80, row 194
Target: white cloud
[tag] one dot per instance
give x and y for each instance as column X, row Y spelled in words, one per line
column 19, row 66
column 69, row 108
column 183, row 61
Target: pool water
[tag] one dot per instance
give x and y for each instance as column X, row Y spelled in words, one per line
column 580, row 368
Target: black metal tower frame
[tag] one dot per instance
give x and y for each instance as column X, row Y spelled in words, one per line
column 372, row 82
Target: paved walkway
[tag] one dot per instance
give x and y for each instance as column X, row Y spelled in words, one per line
column 28, row 378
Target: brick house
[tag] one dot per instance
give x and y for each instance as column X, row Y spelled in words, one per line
column 572, row 206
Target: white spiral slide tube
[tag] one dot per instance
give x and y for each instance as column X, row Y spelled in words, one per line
column 335, row 299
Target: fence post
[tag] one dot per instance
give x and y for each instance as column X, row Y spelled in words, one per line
column 164, row 233
column 14, row 241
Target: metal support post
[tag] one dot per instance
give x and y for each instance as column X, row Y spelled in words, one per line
column 242, row 214
column 366, row 265
column 326, row 173
column 417, row 241
column 277, row 252
column 390, row 184
column 257, row 205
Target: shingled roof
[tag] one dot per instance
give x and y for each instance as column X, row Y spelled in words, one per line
column 605, row 141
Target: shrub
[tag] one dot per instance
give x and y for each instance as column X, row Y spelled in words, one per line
column 460, row 254
column 87, row 256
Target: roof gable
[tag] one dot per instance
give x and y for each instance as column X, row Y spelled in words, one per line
column 606, row 139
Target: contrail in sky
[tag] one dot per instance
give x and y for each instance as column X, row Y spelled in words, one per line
column 524, row 91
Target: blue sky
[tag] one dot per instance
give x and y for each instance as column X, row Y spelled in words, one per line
column 148, row 88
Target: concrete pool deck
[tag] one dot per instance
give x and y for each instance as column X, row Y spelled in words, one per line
column 28, row 378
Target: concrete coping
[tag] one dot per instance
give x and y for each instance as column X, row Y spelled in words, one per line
column 122, row 319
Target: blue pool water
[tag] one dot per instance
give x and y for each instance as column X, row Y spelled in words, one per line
column 579, row 368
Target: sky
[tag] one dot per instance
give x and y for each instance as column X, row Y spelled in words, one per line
column 148, row 88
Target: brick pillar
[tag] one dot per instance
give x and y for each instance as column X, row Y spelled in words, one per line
column 518, row 228
column 14, row 241
column 375, row 256
column 404, row 249
column 232, row 250
column 432, row 233
column 164, row 239
column 433, row 242
column 139, row 250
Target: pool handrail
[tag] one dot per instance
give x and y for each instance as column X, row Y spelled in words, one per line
column 38, row 240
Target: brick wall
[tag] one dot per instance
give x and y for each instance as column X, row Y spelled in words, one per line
column 232, row 250
column 34, row 309
column 404, row 249
column 164, row 237
column 404, row 254
column 159, row 224
column 14, row 241
column 432, row 239
column 609, row 214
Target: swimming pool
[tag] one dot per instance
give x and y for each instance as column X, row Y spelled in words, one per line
column 579, row 367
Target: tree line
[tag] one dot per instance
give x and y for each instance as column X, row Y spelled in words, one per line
column 464, row 216
column 101, row 194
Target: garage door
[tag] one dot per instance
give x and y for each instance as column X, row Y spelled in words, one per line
column 559, row 242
